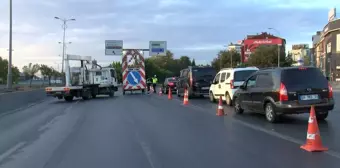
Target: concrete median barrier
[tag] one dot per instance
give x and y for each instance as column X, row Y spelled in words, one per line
column 16, row 100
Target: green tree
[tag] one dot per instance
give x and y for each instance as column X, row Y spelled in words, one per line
column 266, row 56
column 4, row 72
column 48, row 72
column 30, row 70
column 226, row 59
column 118, row 67
column 193, row 63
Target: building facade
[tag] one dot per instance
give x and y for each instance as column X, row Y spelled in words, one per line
column 327, row 50
column 301, row 54
column 235, row 47
column 250, row 44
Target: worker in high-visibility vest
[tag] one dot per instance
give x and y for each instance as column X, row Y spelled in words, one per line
column 154, row 83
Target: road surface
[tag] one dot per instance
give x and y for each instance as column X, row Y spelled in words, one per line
column 149, row 131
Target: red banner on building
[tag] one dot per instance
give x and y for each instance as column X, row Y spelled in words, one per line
column 250, row 45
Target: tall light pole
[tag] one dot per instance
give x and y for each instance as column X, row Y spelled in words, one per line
column 64, row 26
column 9, row 73
column 278, row 47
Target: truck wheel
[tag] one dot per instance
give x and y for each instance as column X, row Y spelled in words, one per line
column 94, row 95
column 86, row 95
column 143, row 91
column 68, row 98
column 111, row 93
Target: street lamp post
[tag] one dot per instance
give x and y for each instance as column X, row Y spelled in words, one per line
column 278, row 47
column 9, row 74
column 64, row 26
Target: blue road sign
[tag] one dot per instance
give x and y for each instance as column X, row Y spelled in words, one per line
column 157, row 50
column 134, row 78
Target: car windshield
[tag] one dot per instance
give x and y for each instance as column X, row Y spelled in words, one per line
column 311, row 77
column 243, row 75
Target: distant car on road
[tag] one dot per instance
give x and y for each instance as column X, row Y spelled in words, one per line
column 196, row 79
column 280, row 91
column 169, row 83
column 227, row 81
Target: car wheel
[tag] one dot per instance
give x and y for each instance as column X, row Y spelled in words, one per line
column 270, row 113
column 211, row 97
column 228, row 99
column 237, row 106
column 321, row 116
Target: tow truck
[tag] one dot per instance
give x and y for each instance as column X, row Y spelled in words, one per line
column 86, row 81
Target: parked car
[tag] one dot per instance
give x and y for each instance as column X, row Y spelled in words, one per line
column 196, row 79
column 169, row 83
column 227, row 81
column 280, row 91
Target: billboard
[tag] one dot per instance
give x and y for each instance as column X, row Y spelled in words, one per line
column 250, row 45
column 157, row 48
column 300, row 46
column 113, row 47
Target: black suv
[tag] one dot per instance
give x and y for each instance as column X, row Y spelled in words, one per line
column 290, row 90
column 196, row 80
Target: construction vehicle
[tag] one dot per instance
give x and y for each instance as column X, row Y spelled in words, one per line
column 86, row 81
column 133, row 75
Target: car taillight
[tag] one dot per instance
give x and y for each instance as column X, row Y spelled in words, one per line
column 231, row 84
column 283, row 92
column 171, row 83
column 330, row 91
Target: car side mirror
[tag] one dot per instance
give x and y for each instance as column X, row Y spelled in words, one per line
column 243, row 87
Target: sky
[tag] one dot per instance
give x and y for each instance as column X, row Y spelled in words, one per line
column 195, row 28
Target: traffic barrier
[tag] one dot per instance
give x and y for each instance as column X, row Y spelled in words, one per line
column 185, row 99
column 16, row 100
column 170, row 94
column 313, row 142
column 220, row 110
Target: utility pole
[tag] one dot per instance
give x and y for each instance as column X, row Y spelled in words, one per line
column 9, row 74
column 278, row 47
column 64, row 26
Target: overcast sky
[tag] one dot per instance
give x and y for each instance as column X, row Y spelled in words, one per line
column 197, row 28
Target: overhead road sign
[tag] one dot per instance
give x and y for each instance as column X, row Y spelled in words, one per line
column 114, row 47
column 157, row 48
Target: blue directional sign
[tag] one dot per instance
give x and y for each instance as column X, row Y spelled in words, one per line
column 134, row 78
column 157, row 50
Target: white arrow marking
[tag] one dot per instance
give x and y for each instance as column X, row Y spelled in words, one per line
column 134, row 78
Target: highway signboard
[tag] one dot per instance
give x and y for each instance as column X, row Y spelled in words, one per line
column 157, row 48
column 114, row 47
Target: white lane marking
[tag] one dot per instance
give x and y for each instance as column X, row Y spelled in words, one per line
column 272, row 133
column 10, row 151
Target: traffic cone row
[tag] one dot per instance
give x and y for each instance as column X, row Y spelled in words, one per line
column 313, row 142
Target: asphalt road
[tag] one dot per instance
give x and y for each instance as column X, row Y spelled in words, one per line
column 149, row 131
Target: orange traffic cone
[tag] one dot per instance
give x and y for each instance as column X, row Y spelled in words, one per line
column 160, row 92
column 185, row 99
column 170, row 94
column 313, row 142
column 220, row 110
column 151, row 89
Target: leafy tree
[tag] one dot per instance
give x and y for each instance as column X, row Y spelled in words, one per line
column 226, row 59
column 266, row 56
column 48, row 72
column 193, row 63
column 118, row 67
column 30, row 70
column 4, row 72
